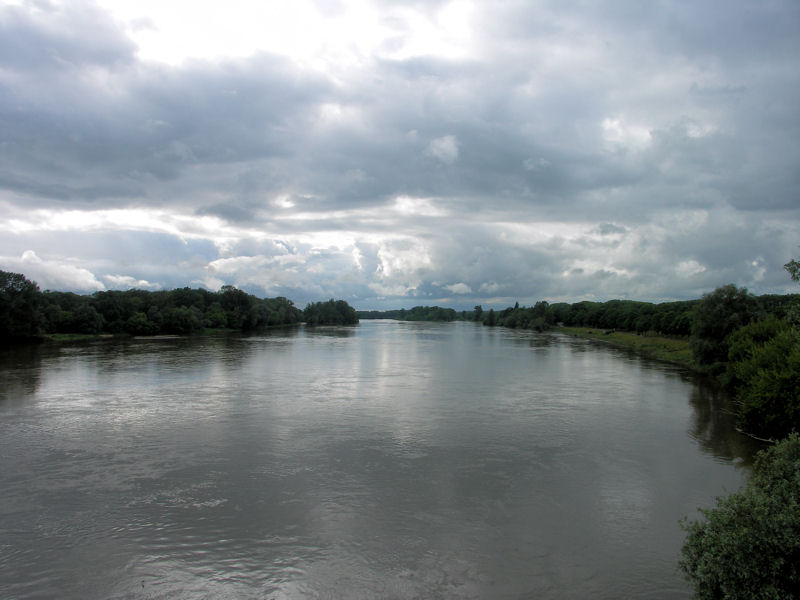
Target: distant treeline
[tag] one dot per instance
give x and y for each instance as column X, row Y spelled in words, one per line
column 418, row 313
column 668, row 318
column 28, row 313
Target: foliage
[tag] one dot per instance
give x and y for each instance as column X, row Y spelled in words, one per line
column 670, row 319
column 793, row 267
column 332, row 312
column 715, row 318
column 764, row 373
column 674, row 350
column 536, row 317
column 793, row 311
column 20, row 316
column 763, row 370
column 743, row 343
column 418, row 313
column 748, row 547
column 26, row 312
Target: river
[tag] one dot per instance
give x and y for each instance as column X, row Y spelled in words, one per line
column 386, row 460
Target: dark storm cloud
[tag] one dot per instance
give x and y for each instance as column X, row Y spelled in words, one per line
column 75, row 103
column 43, row 38
column 577, row 149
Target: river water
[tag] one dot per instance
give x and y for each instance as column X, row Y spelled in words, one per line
column 386, row 460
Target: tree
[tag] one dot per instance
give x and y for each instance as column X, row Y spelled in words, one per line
column 139, row 324
column 793, row 311
column 748, row 547
column 332, row 312
column 793, row 267
column 715, row 318
column 770, row 394
column 20, row 300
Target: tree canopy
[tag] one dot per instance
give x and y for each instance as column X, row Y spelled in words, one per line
column 748, row 546
column 332, row 312
column 19, row 307
column 715, row 318
column 27, row 313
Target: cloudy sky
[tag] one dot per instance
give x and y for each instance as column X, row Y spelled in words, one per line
column 402, row 152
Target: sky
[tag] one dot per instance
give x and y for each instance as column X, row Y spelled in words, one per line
column 395, row 153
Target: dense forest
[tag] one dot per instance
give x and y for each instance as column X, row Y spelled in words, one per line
column 28, row 313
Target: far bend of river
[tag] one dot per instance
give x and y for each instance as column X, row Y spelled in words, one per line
column 388, row 460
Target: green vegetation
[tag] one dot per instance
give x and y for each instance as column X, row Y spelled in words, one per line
column 756, row 353
column 19, row 307
column 418, row 313
column 674, row 350
column 715, row 318
column 748, row 547
column 670, row 319
column 763, row 373
column 26, row 313
column 332, row 312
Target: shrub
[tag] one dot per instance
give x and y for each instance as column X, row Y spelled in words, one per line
column 748, row 547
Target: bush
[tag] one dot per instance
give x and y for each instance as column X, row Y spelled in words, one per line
column 763, row 372
column 748, row 547
column 770, row 396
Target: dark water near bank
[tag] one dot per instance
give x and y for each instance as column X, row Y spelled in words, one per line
column 388, row 460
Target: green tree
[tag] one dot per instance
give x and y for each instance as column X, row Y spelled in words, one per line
column 20, row 300
column 748, row 547
column 332, row 312
column 715, row 318
column 769, row 388
column 478, row 313
column 793, row 267
column 139, row 324
column 183, row 320
column 87, row 320
column 793, row 311
column 215, row 316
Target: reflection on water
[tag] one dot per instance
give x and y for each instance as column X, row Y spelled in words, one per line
column 396, row 460
column 714, row 425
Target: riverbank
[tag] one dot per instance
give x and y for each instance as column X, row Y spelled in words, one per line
column 673, row 350
column 59, row 338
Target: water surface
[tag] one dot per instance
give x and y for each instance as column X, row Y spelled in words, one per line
column 387, row 460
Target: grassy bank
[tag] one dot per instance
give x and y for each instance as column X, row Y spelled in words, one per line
column 674, row 350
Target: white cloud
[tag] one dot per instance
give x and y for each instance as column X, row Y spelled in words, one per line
column 126, row 282
column 687, row 268
column 459, row 288
column 371, row 149
column 54, row 274
column 406, row 205
column 622, row 133
column 444, row 148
